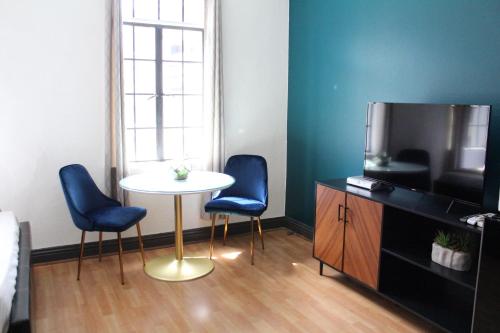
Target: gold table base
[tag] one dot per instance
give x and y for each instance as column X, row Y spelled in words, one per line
column 168, row 268
column 176, row 267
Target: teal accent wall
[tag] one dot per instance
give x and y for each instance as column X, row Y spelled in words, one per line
column 345, row 53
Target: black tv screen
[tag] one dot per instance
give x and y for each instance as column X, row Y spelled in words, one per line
column 428, row 147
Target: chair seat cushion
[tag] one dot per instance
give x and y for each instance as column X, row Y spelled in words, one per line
column 237, row 205
column 116, row 219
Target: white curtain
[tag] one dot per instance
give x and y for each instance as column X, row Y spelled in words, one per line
column 115, row 131
column 213, row 89
column 214, row 158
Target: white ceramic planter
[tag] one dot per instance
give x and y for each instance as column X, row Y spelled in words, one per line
column 459, row 261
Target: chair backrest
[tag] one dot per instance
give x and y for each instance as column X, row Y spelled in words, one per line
column 81, row 193
column 250, row 174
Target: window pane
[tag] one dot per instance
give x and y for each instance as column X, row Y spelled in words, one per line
column 128, row 76
column 129, row 111
column 126, row 7
column 473, row 117
column 192, row 142
column 172, row 143
column 146, row 144
column 193, row 111
column 145, row 77
column 130, row 142
column 128, row 41
column 172, row 111
column 172, row 78
column 145, row 111
column 146, row 9
column 193, row 78
column 194, row 11
column 483, row 117
column 145, row 43
column 193, row 45
column 172, row 44
column 171, row 10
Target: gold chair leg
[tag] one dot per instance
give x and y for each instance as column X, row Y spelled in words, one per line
column 260, row 232
column 252, row 242
column 141, row 244
column 226, row 222
column 82, row 245
column 214, row 217
column 120, row 252
column 100, row 245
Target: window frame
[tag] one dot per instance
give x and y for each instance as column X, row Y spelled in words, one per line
column 159, row 94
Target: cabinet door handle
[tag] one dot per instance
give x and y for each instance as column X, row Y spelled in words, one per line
column 338, row 213
column 346, row 211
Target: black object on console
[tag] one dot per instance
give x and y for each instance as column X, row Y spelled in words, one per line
column 487, row 311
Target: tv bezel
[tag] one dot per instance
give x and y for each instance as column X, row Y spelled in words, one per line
column 478, row 204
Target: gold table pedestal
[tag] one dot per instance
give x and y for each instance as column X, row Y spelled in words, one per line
column 176, row 267
column 168, row 268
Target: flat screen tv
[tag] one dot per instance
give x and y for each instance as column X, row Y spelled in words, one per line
column 434, row 148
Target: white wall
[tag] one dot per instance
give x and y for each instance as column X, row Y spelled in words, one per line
column 255, row 43
column 52, row 106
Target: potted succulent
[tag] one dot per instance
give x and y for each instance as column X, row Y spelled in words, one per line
column 181, row 173
column 452, row 250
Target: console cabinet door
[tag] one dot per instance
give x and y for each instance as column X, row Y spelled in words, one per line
column 329, row 229
column 362, row 239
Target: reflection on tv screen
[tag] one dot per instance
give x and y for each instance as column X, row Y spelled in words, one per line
column 429, row 147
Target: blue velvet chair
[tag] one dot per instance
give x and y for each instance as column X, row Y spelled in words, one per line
column 248, row 196
column 91, row 210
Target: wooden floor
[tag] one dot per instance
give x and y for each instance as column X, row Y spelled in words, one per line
column 283, row 292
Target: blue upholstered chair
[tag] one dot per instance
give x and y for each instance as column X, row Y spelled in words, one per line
column 91, row 210
column 248, row 196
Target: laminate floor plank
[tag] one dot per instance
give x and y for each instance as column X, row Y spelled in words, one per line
column 282, row 292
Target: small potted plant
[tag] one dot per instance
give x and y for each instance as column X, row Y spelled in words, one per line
column 452, row 250
column 181, row 173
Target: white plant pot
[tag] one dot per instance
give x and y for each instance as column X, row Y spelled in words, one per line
column 459, row 261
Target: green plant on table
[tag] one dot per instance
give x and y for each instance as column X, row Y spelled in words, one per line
column 181, row 173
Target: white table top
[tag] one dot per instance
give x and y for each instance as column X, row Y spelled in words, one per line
column 164, row 183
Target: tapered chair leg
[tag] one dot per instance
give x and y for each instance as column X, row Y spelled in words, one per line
column 141, row 244
column 260, row 232
column 82, row 245
column 226, row 222
column 100, row 245
column 252, row 242
column 214, row 217
column 120, row 253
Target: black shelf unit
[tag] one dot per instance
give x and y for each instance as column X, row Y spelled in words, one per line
column 465, row 279
column 407, row 275
column 425, row 205
column 426, row 294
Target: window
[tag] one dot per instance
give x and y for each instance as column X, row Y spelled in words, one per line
column 163, row 79
column 475, row 135
column 477, row 129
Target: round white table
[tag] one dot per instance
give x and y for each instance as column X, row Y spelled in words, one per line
column 177, row 267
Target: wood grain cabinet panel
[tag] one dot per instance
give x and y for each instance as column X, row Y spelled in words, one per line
column 363, row 230
column 329, row 229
